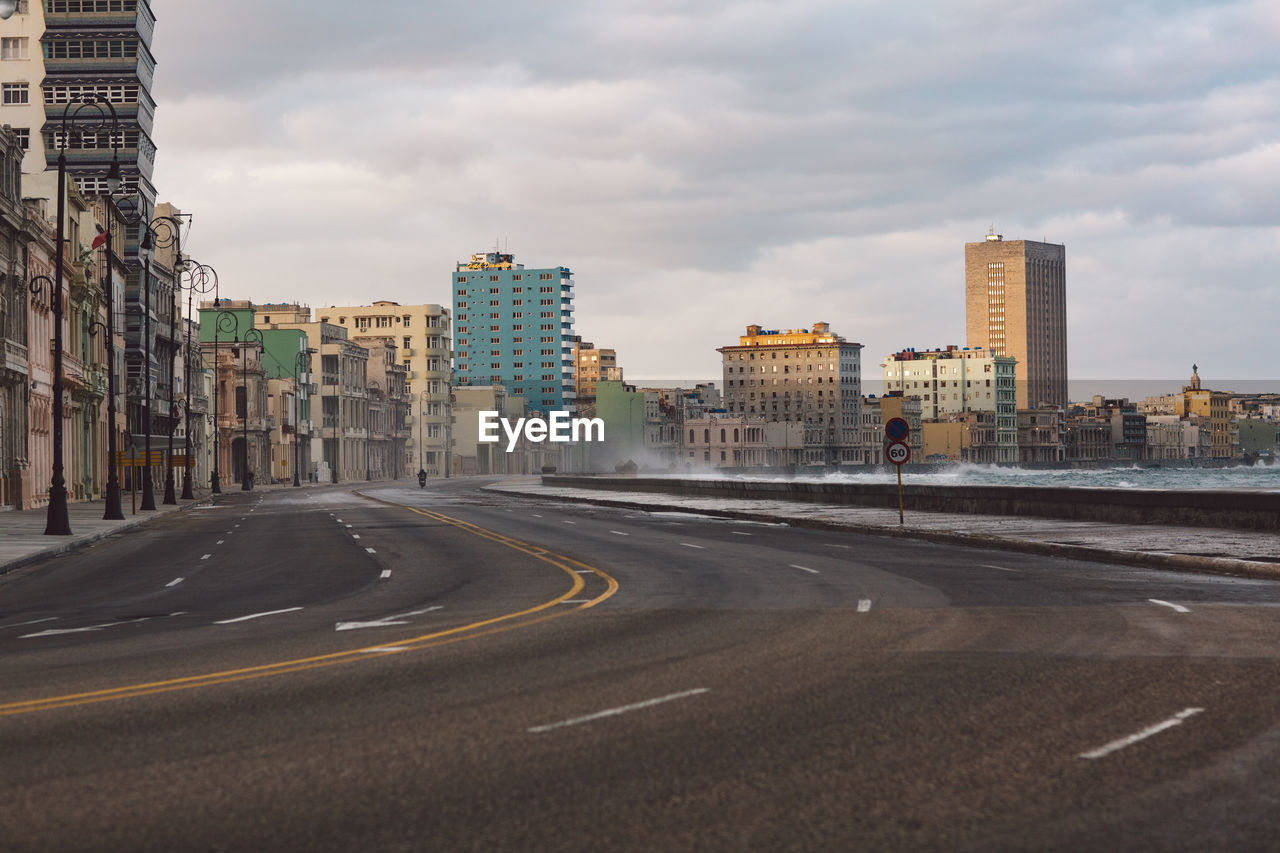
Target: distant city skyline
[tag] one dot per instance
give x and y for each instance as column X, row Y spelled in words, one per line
column 703, row 168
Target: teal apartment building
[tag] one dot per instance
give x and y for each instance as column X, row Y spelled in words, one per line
column 514, row 327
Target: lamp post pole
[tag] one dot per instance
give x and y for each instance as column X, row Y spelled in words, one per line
column 299, row 364
column 422, row 413
column 148, row 488
column 226, row 322
column 249, row 335
column 370, row 386
column 57, row 522
column 162, row 233
column 113, row 510
column 200, row 279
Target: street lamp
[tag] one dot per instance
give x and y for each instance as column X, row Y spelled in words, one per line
column 250, row 334
column 7, row 8
column 300, row 362
column 422, row 412
column 226, row 322
column 57, row 522
column 372, row 385
column 200, row 279
column 162, row 233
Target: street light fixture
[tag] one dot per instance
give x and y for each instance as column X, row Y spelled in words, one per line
column 200, row 279
column 226, row 322
column 165, row 232
column 255, row 335
column 372, row 384
column 301, row 363
column 7, row 9
column 57, row 521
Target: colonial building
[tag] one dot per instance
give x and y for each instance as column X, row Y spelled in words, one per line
column 811, row 376
column 420, row 335
column 955, row 380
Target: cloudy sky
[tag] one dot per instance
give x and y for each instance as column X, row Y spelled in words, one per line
column 705, row 165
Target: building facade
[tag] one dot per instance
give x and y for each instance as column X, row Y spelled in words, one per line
column 421, row 336
column 953, row 381
column 514, row 328
column 811, row 376
column 1016, row 306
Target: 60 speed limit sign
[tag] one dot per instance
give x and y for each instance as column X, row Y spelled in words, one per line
column 897, row 453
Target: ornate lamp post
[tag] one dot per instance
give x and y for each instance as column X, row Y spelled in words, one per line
column 226, row 322
column 300, row 363
column 165, row 232
column 256, row 336
column 57, row 522
column 200, row 279
column 372, row 385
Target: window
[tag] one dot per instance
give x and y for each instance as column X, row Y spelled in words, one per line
column 16, row 93
column 407, row 342
column 13, row 48
column 24, row 137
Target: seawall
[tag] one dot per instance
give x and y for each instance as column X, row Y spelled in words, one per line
column 1238, row 510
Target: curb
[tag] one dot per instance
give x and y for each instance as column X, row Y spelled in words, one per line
column 84, row 539
column 1146, row 559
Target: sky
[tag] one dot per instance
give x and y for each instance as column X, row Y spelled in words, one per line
column 703, row 166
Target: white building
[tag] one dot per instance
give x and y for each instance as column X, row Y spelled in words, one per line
column 956, row 380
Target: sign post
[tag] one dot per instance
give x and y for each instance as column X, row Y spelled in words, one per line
column 898, row 452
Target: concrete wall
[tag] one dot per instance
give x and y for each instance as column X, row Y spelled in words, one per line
column 1226, row 509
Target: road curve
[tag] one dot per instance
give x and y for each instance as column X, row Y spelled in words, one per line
column 452, row 669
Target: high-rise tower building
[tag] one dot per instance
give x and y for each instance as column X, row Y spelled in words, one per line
column 514, row 327
column 1016, row 305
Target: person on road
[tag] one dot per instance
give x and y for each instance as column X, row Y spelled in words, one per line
column 422, row 478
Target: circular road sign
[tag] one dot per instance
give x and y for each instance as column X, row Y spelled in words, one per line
column 896, row 429
column 897, row 453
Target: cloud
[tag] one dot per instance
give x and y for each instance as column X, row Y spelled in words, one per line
column 705, row 166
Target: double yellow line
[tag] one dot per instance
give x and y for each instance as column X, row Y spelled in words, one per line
column 483, row 628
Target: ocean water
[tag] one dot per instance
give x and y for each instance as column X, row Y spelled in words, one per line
column 1239, row 477
column 1244, row 477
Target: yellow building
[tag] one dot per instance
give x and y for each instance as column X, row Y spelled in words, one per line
column 422, row 333
column 1216, row 407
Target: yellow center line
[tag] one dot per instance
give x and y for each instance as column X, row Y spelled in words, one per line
column 425, row 641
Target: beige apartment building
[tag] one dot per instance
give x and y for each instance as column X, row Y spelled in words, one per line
column 1016, row 307
column 811, row 376
column 340, row 433
column 422, row 334
column 953, row 381
column 594, row 364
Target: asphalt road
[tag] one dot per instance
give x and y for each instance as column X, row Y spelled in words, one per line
column 451, row 669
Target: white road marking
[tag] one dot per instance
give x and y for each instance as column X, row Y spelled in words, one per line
column 1178, row 608
column 52, row 632
column 613, row 712
column 829, row 545
column 567, row 521
column 535, row 515
column 691, row 545
column 576, row 601
column 384, row 622
column 386, row 573
column 384, row 649
column 174, row 582
column 206, row 556
column 806, row 569
column 220, row 541
column 338, row 520
column 349, row 525
column 355, row 535
column 371, row 551
column 256, row 616
column 864, row 605
column 1000, row 568
column 236, row 525
column 739, row 533
column 1175, row 720
column 585, row 571
column 31, row 622
column 619, row 533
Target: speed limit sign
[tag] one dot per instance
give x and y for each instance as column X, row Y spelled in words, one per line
column 897, row 453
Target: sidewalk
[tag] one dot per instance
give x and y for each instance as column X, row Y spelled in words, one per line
column 22, row 538
column 1234, row 552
